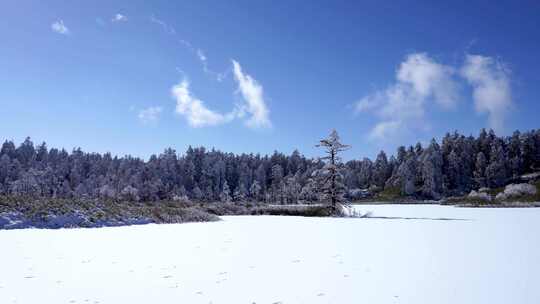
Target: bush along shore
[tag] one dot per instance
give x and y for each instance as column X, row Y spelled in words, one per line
column 18, row 212
column 512, row 195
column 38, row 212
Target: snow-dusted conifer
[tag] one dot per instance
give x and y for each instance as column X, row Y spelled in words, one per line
column 225, row 195
column 330, row 177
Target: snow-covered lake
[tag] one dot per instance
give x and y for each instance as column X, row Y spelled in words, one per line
column 484, row 256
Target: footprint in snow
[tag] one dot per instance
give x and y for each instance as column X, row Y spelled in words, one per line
column 320, row 294
column 167, row 276
column 251, row 267
column 296, row 261
column 345, row 275
column 278, row 302
column 29, row 277
column 58, row 282
column 199, row 292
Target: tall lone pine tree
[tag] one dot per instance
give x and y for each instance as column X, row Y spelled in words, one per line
column 331, row 180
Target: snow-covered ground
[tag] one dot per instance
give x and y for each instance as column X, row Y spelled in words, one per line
column 487, row 256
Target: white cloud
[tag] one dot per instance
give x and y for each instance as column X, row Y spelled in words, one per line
column 419, row 80
column 119, row 18
column 369, row 102
column 253, row 108
column 491, row 87
column 196, row 113
column 252, row 93
column 150, row 114
column 429, row 78
column 60, row 28
column 384, row 129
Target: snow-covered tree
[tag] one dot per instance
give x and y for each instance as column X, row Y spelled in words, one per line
column 480, row 170
column 496, row 173
column 197, row 193
column 255, row 190
column 431, row 170
column 381, row 169
column 130, row 193
column 330, row 177
column 240, row 193
column 225, row 195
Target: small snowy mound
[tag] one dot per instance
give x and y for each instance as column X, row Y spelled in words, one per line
column 516, row 190
column 479, row 195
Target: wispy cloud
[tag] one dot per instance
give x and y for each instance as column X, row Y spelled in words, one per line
column 419, row 80
column 385, row 128
column 60, row 28
column 194, row 109
column 252, row 93
column 201, row 56
column 150, row 114
column 119, row 18
column 204, row 61
column 199, row 53
column 492, row 94
column 168, row 29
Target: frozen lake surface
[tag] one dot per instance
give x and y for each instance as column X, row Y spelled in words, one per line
column 472, row 256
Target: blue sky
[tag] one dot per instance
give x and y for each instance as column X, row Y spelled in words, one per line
column 134, row 77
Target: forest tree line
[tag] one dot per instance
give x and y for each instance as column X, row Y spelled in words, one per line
column 453, row 167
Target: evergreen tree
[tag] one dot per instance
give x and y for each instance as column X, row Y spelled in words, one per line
column 331, row 184
column 380, row 169
column 496, row 173
column 480, row 170
column 225, row 195
column 431, row 170
column 255, row 190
